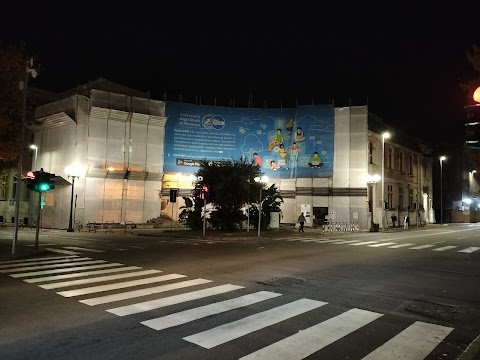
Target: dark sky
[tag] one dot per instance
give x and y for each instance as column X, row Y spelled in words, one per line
column 406, row 60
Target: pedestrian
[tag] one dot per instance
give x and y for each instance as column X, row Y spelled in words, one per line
column 394, row 220
column 405, row 222
column 301, row 221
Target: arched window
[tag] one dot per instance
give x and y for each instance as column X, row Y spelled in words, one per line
column 390, row 158
column 410, row 165
column 400, row 160
column 370, row 152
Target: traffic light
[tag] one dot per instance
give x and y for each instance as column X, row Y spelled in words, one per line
column 173, row 195
column 41, row 181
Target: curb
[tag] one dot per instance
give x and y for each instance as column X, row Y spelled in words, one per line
column 472, row 350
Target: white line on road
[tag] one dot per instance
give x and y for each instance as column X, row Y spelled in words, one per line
column 444, row 248
column 172, row 300
column 40, row 267
column 56, row 271
column 76, row 275
column 231, row 331
column 346, row 242
column 39, row 259
column 201, row 312
column 98, row 279
column 83, row 249
column 307, row 342
column 469, row 250
column 382, row 244
column 363, row 243
column 421, row 247
column 67, row 252
column 32, row 263
column 120, row 285
column 143, row 292
column 400, row 246
column 413, row 343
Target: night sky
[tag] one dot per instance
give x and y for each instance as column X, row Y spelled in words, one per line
column 406, row 61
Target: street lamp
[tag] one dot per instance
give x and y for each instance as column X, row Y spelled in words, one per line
column 34, row 147
column 72, row 172
column 385, row 135
column 442, row 159
column 373, row 180
column 29, row 71
column 262, row 180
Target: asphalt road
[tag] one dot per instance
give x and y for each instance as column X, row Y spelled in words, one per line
column 397, row 295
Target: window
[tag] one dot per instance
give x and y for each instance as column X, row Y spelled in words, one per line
column 424, row 168
column 410, row 198
column 410, row 165
column 400, row 159
column 390, row 196
column 390, row 157
column 400, row 198
column 3, row 186
column 370, row 152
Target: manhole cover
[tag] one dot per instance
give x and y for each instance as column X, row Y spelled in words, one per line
column 282, row 281
column 435, row 311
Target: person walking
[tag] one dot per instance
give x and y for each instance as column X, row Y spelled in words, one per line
column 394, row 220
column 405, row 222
column 301, row 221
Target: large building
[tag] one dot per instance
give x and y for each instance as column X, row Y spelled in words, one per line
column 125, row 151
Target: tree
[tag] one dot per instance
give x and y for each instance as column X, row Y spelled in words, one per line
column 191, row 214
column 271, row 203
column 12, row 73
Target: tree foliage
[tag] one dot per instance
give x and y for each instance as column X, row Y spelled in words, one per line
column 231, row 185
column 12, row 72
column 271, row 203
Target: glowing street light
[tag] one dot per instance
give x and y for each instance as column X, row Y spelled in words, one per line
column 385, row 135
column 476, row 95
column 442, row 159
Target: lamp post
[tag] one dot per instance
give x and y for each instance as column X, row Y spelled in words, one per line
column 29, row 71
column 373, row 180
column 385, row 135
column 72, row 172
column 442, row 159
column 262, row 180
column 34, row 147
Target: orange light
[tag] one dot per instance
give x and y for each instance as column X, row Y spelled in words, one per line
column 476, row 95
column 31, row 175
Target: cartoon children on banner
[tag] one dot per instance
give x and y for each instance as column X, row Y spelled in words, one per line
column 276, row 141
column 315, row 161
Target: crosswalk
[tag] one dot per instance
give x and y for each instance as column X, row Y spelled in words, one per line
column 125, row 286
column 383, row 244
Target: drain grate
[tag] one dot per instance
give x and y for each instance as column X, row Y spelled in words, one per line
column 282, row 281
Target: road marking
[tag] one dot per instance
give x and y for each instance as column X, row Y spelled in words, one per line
column 400, row 245
column 56, row 271
column 39, row 259
column 444, row 248
column 469, row 250
column 460, row 238
column 346, row 242
column 307, row 342
column 413, row 343
column 308, row 240
column 364, row 243
column 98, row 279
column 201, row 312
column 172, row 300
column 39, row 267
column 32, row 263
column 143, row 292
column 83, row 249
column 68, row 252
column 231, row 331
column 119, row 285
column 382, row 244
column 85, row 273
column 422, row 247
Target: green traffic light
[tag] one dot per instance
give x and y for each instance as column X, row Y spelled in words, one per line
column 44, row 187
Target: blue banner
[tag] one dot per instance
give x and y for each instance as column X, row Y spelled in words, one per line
column 285, row 143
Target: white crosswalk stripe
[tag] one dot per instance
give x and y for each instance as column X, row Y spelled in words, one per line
column 469, row 250
column 382, row 244
column 83, row 249
column 315, row 338
column 31, row 263
column 346, row 242
column 364, row 243
column 38, row 259
column 120, row 285
column 98, row 279
column 172, row 300
column 228, row 332
column 80, row 274
column 414, row 343
column 444, row 248
column 57, row 271
column 201, row 312
column 400, row 246
column 422, row 247
column 40, row 267
column 143, row 292
column 60, row 251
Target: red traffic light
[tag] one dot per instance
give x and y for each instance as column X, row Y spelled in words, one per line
column 31, row 175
